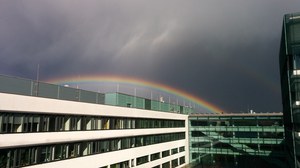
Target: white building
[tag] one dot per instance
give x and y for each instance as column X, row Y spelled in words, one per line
column 46, row 132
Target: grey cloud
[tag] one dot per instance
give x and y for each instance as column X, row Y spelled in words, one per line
column 223, row 51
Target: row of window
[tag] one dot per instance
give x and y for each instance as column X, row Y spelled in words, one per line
column 41, row 154
column 174, row 162
column 145, row 159
column 221, row 145
column 155, row 156
column 23, row 122
column 239, row 134
column 238, row 152
column 238, row 122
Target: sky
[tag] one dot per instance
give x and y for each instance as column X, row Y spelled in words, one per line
column 224, row 51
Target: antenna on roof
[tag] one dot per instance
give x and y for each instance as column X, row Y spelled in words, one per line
column 135, row 97
column 37, row 79
column 37, row 72
column 77, row 86
column 118, row 87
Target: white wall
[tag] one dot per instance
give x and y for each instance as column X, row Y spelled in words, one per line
column 27, row 139
column 11, row 102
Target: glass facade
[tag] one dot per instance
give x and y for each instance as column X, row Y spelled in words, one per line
column 225, row 140
column 290, row 85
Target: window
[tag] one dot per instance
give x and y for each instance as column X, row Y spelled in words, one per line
column 59, row 152
column 112, row 123
column 105, row 123
column 174, row 151
column 199, row 123
column 166, row 165
column 24, row 158
column 174, row 163
column 96, row 124
column 296, row 62
column 149, row 140
column 75, row 123
column 74, row 150
column 195, row 155
column 86, row 148
column 181, row 149
column 18, row 157
column 132, row 142
column 166, row 153
column 17, row 124
column 120, row 165
column 85, row 123
column 52, row 123
column 198, row 134
column 142, row 160
column 46, row 154
column 7, row 121
column 125, row 143
column 95, row 147
column 181, row 160
column 139, row 141
column 201, row 144
column 155, row 156
column 104, row 146
column 114, row 144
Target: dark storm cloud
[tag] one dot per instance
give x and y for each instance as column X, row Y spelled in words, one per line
column 223, row 51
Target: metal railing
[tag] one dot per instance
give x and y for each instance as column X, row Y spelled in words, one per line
column 20, row 86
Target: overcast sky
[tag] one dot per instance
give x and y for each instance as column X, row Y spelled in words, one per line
column 225, row 51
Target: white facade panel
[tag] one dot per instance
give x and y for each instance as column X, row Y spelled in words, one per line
column 11, row 102
column 26, row 139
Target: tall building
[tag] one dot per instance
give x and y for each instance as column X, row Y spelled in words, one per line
column 290, row 85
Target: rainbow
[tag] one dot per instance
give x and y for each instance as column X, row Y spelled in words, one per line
column 139, row 82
